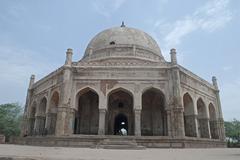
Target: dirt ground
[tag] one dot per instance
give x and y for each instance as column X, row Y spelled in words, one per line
column 21, row 152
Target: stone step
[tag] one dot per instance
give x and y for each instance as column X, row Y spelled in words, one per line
column 127, row 147
column 119, row 143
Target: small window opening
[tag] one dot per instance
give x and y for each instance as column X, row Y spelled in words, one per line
column 112, row 43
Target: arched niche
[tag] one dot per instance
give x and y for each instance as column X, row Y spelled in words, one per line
column 52, row 115
column 120, row 102
column 87, row 115
column 153, row 115
column 189, row 116
column 203, row 121
column 213, row 121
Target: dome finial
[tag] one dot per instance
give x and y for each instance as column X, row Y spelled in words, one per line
column 123, row 25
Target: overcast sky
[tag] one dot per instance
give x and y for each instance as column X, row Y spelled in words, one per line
column 34, row 36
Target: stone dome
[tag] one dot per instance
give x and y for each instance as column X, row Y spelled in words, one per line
column 122, row 37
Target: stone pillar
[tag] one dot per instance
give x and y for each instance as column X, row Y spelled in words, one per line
column 69, row 54
column 197, row 127
column 178, row 122
column 102, row 119
column 64, row 113
column 25, row 120
column 169, row 122
column 209, row 131
column 221, row 127
column 61, row 118
column 137, row 121
column 176, row 99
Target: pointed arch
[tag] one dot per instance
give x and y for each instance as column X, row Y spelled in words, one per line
column 87, row 115
column 52, row 115
column 203, row 122
column 189, row 116
column 41, row 118
column 213, row 121
column 54, row 101
column 153, row 115
column 120, row 102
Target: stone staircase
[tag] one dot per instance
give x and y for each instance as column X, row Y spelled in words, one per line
column 119, row 143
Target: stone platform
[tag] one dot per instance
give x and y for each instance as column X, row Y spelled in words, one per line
column 119, row 142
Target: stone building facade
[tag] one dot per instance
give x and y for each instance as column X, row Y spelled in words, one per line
column 124, row 82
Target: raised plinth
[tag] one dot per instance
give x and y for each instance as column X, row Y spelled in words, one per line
column 119, row 142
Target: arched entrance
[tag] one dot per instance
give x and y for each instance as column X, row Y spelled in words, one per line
column 189, row 116
column 153, row 116
column 120, row 112
column 41, row 117
column 213, row 121
column 54, row 102
column 203, row 122
column 121, row 125
column 87, row 116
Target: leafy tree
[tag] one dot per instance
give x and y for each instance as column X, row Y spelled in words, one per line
column 232, row 129
column 10, row 119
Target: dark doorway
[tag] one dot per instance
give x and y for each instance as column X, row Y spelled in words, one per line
column 121, row 125
column 120, row 109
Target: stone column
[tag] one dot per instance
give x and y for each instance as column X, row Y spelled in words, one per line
column 195, row 121
column 209, row 131
column 169, row 122
column 137, row 121
column 176, row 99
column 101, row 124
column 25, row 120
column 48, row 122
column 221, row 128
column 178, row 122
column 64, row 113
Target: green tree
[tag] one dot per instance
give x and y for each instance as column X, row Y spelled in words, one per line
column 232, row 129
column 10, row 119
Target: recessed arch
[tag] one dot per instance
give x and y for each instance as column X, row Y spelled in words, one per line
column 153, row 115
column 153, row 88
column 203, row 122
column 52, row 115
column 33, row 110
column 189, row 116
column 82, row 91
column 54, row 101
column 87, row 115
column 113, row 90
column 212, row 112
column 41, row 119
column 213, row 121
column 42, row 106
column 120, row 102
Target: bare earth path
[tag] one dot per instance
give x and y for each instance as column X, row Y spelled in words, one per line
column 20, row 152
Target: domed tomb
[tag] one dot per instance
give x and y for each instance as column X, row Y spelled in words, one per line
column 122, row 42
